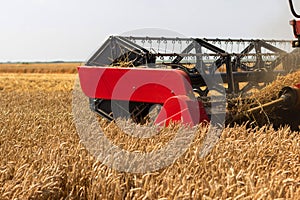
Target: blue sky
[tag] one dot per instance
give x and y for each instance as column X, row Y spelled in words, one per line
column 48, row 30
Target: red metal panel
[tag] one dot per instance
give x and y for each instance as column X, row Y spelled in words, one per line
column 133, row 84
column 181, row 109
column 296, row 27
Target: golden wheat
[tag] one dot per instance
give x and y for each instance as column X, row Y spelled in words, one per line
column 42, row 156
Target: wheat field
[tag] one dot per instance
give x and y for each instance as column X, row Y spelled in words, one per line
column 42, row 156
column 47, row 67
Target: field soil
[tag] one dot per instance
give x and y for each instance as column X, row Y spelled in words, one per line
column 42, row 157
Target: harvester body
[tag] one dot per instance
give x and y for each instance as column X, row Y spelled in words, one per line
column 129, row 76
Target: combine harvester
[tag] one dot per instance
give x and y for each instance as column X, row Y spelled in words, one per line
column 181, row 78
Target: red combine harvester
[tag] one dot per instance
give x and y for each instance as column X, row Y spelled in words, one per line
column 186, row 79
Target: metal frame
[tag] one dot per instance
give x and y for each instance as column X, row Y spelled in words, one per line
column 208, row 58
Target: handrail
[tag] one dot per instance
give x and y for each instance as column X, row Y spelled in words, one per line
column 293, row 9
